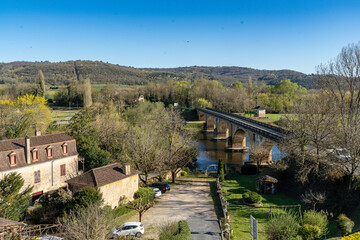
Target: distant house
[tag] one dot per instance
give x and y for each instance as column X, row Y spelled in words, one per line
column 114, row 181
column 259, row 112
column 44, row 161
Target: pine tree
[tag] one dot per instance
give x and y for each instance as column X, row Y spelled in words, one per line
column 87, row 93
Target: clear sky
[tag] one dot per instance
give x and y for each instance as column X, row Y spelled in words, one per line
column 263, row 34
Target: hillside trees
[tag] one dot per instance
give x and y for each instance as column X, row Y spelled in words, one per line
column 21, row 115
column 13, row 200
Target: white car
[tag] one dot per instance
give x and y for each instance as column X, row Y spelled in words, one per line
column 129, row 228
column 157, row 192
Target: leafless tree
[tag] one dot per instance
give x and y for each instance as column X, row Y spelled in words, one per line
column 340, row 79
column 91, row 223
column 179, row 145
column 144, row 149
column 140, row 206
column 311, row 124
column 258, row 154
column 313, row 198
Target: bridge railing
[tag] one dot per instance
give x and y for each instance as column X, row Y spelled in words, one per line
column 269, row 135
column 251, row 120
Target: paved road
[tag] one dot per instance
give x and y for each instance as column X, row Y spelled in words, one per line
column 189, row 200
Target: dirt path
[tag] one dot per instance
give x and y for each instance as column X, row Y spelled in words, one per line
column 189, row 200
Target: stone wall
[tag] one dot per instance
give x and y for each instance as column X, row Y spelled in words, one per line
column 125, row 187
column 50, row 178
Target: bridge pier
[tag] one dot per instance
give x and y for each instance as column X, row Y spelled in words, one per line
column 235, row 129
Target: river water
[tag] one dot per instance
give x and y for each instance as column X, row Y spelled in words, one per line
column 212, row 151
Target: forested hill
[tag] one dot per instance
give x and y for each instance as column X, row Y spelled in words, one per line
column 101, row 73
column 228, row 75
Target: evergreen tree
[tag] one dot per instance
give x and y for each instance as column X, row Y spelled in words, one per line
column 13, row 202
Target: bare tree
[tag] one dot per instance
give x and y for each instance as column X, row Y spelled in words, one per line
column 144, row 149
column 313, row 198
column 87, row 93
column 141, row 206
column 311, row 125
column 258, row 155
column 340, row 79
column 179, row 145
column 91, row 223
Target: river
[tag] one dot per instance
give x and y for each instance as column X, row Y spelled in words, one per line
column 211, row 151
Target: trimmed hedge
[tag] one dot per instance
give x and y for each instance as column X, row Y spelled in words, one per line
column 251, row 197
column 181, row 232
column 344, row 224
column 248, row 169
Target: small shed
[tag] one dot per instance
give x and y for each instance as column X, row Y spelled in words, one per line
column 266, row 184
column 260, row 112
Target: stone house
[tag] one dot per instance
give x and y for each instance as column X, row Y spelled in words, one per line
column 44, row 161
column 114, row 181
column 259, row 112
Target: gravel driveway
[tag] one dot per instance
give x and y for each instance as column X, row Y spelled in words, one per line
column 188, row 200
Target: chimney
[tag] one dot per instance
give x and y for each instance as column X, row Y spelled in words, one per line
column 27, row 150
column 126, row 169
column 37, row 132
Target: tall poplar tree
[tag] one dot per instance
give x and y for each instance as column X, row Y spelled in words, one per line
column 87, row 93
column 41, row 81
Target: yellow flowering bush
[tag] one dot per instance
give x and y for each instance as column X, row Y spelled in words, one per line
column 355, row 236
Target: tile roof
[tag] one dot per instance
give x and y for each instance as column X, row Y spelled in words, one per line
column 18, row 143
column 101, row 176
column 40, row 143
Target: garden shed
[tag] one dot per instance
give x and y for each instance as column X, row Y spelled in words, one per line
column 266, row 184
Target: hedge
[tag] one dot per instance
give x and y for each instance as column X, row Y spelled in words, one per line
column 182, row 232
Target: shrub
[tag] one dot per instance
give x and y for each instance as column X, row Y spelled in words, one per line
column 352, row 236
column 85, row 197
column 309, row 232
column 344, row 224
column 183, row 173
column 175, row 231
column 318, row 219
column 251, row 197
column 146, row 193
column 282, row 226
column 248, row 169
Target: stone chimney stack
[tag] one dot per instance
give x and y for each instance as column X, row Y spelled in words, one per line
column 27, row 150
column 127, row 168
column 37, row 132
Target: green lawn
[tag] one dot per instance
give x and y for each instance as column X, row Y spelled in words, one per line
column 59, row 115
column 271, row 118
column 233, row 188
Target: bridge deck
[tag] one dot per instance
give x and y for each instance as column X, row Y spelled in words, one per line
column 263, row 129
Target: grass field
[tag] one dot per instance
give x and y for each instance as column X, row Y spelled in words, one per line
column 59, row 115
column 233, row 188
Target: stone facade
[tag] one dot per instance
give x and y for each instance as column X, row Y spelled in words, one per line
column 41, row 170
column 114, row 181
column 124, row 188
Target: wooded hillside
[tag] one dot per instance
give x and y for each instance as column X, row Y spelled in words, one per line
column 61, row 73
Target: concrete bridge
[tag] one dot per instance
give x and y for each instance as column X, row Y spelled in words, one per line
column 236, row 129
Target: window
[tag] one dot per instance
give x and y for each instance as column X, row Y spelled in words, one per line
column 37, row 176
column 12, row 159
column 49, row 152
column 35, row 154
column 63, row 170
column 65, row 148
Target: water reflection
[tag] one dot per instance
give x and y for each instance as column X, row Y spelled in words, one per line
column 212, row 151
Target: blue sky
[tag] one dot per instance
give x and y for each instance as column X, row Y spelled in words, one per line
column 292, row 34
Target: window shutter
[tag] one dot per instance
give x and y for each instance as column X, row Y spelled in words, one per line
column 62, row 170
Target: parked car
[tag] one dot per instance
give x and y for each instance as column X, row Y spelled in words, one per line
column 211, row 170
column 129, row 228
column 157, row 192
column 340, row 153
column 164, row 187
